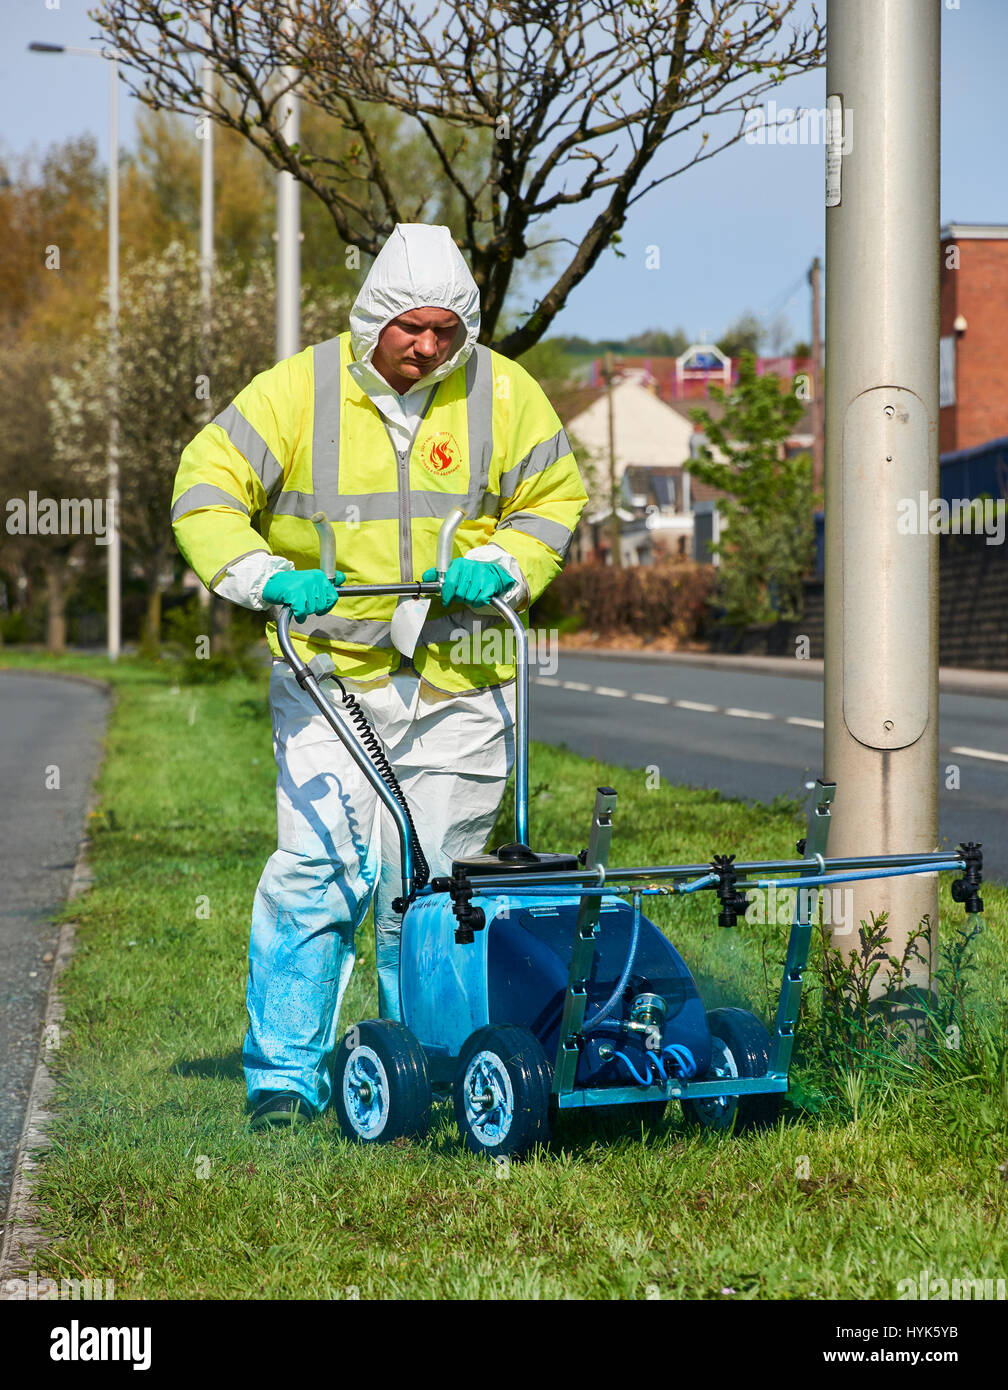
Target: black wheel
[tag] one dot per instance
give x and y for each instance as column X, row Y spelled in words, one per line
column 502, row 1092
column 381, row 1087
column 741, row 1047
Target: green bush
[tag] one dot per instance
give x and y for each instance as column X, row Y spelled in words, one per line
column 668, row 599
column 187, row 644
column 14, row 627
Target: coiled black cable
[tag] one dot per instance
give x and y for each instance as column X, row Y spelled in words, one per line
column 375, row 751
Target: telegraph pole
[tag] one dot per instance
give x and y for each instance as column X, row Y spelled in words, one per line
column 882, row 272
column 614, row 521
column 114, row 596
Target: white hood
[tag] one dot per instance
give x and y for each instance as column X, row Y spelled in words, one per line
column 419, row 266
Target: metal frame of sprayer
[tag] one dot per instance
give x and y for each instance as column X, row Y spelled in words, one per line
column 592, row 879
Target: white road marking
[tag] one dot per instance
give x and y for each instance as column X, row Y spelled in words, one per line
column 981, row 753
column 703, row 708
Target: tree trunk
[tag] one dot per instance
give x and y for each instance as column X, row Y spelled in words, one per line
column 152, row 616
column 55, row 572
column 221, row 629
column 150, row 636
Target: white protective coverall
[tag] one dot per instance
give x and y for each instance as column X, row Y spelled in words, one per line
column 452, row 753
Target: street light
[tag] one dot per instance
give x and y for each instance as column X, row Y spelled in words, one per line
column 114, row 557
column 880, row 741
column 288, row 229
column 206, row 293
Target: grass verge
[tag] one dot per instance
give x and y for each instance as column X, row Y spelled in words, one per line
column 154, row 1182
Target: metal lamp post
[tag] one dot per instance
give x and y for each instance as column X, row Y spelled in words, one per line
column 288, row 233
column 882, row 273
column 114, row 551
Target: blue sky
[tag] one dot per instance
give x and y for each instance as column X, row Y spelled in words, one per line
column 736, row 233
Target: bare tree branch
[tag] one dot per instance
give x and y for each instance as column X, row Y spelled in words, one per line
column 554, row 104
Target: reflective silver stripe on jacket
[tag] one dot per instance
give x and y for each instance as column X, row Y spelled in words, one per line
column 325, row 496
column 454, row 626
column 479, row 419
column 535, row 461
column 249, row 442
column 328, row 627
column 442, row 504
column 206, row 495
column 371, row 632
column 354, row 507
column 293, row 503
column 551, row 533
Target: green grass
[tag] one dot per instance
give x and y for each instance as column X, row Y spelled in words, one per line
column 153, row 1180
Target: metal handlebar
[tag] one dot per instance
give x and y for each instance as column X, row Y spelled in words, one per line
column 445, row 545
column 327, row 544
column 344, row 731
column 341, row 725
column 521, row 718
column 446, row 540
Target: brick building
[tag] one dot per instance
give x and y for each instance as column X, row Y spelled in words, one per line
column 974, row 314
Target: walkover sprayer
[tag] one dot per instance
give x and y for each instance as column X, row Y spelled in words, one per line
column 530, row 985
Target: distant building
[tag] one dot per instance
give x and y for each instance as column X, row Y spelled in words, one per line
column 973, row 395
column 654, row 442
column 690, row 376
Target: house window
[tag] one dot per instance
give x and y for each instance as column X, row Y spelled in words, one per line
column 946, row 371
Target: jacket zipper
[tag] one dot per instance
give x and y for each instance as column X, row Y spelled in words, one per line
column 405, row 510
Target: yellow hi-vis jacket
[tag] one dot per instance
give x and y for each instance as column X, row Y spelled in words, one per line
column 303, row 437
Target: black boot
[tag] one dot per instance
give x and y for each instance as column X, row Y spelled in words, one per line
column 281, row 1109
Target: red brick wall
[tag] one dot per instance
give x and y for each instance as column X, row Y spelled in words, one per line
column 979, row 291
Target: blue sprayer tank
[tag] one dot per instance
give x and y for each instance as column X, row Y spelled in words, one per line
column 516, row 971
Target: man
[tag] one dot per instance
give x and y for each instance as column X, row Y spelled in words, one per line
column 386, row 429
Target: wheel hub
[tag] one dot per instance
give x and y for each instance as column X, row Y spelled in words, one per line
column 366, row 1092
column 489, row 1099
column 718, row 1109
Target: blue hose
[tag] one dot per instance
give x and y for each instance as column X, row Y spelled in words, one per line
column 677, row 1054
column 641, row 1080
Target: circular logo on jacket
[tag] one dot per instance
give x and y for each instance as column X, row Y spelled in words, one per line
column 441, row 455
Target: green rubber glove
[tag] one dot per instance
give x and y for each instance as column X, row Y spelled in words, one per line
column 304, row 591
column 473, row 581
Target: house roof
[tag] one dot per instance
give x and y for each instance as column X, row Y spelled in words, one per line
column 985, row 231
column 570, row 401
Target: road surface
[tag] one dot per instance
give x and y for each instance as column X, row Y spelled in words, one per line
column 756, row 735
column 49, row 728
